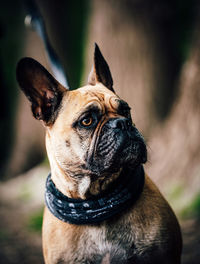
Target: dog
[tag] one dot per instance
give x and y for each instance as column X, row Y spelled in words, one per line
column 101, row 207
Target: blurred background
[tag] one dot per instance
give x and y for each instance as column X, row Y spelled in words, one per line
column 153, row 50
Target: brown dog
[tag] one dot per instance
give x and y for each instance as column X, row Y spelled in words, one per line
column 102, row 208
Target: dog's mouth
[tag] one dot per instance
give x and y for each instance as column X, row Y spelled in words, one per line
column 119, row 143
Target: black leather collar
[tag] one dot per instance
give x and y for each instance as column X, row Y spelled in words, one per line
column 125, row 193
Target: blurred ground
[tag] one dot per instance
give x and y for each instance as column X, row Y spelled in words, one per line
column 21, row 205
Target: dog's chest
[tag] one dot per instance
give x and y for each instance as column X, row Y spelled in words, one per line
column 64, row 243
column 112, row 242
column 96, row 245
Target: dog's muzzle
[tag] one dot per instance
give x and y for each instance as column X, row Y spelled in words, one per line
column 119, row 144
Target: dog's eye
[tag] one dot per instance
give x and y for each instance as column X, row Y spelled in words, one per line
column 87, row 121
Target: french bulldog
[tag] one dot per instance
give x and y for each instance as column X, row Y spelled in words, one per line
column 101, row 207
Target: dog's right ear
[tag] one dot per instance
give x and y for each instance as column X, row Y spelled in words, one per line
column 41, row 88
column 100, row 71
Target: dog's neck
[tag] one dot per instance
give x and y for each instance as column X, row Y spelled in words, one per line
column 81, row 188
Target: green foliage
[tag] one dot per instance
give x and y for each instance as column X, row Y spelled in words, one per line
column 45, row 161
column 35, row 221
column 4, row 235
column 11, row 39
column 25, row 193
column 73, row 26
column 176, row 192
column 192, row 209
column 184, row 204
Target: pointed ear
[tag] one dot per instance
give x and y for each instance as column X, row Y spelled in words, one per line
column 41, row 88
column 100, row 71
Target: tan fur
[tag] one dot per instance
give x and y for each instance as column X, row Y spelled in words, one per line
column 148, row 220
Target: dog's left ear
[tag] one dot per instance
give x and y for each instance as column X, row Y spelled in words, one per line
column 41, row 88
column 100, row 71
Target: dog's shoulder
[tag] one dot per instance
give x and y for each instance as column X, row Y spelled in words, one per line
column 153, row 212
column 153, row 221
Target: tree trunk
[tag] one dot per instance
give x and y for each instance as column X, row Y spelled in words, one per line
column 139, row 42
column 146, row 45
column 175, row 145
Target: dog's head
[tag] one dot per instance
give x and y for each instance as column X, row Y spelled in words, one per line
column 88, row 130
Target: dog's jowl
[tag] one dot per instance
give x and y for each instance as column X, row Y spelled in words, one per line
column 101, row 207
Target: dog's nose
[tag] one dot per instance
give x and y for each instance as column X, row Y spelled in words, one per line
column 120, row 123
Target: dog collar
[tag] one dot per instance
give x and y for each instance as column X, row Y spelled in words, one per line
column 99, row 208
